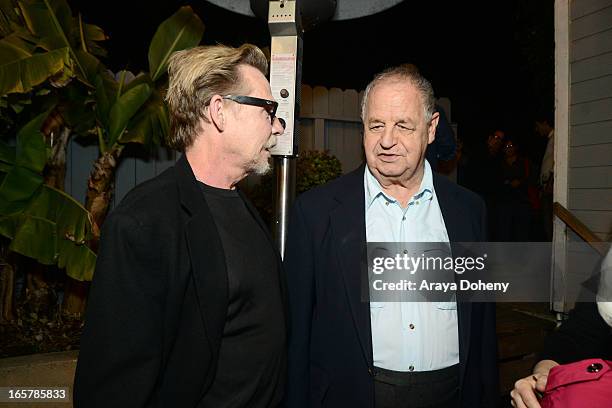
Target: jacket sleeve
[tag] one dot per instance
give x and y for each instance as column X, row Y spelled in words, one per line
column 299, row 267
column 121, row 346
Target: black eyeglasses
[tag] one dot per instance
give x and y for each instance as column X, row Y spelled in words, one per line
column 268, row 105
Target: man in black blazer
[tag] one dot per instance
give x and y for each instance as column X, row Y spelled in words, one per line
column 187, row 305
column 342, row 350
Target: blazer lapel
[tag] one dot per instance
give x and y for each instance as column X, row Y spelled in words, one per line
column 456, row 233
column 206, row 255
column 348, row 229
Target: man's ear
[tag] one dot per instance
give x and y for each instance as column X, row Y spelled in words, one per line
column 217, row 114
column 432, row 127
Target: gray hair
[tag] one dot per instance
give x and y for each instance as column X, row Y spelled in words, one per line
column 197, row 74
column 404, row 72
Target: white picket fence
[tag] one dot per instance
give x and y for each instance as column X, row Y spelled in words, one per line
column 329, row 120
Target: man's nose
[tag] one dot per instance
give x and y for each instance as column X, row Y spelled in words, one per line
column 388, row 139
column 278, row 126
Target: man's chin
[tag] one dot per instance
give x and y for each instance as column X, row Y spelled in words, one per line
column 262, row 167
column 393, row 171
column 389, row 169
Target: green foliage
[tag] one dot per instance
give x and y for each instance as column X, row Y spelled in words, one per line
column 183, row 30
column 23, row 165
column 43, row 47
column 76, row 107
column 313, row 168
column 126, row 106
column 21, row 71
column 42, row 223
column 31, row 150
column 134, row 111
column 150, row 125
column 41, row 41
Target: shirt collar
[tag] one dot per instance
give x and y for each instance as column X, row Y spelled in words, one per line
column 373, row 189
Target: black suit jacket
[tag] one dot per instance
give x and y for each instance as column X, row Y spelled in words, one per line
column 158, row 300
column 330, row 341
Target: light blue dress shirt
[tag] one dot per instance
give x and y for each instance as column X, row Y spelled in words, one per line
column 410, row 336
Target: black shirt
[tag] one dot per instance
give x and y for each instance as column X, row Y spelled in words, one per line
column 251, row 369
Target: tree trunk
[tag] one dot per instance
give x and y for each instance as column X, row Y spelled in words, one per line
column 75, row 296
column 7, row 291
column 99, row 194
column 55, row 170
column 100, row 190
column 41, row 298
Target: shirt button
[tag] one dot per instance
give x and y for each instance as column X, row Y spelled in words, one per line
column 417, row 203
column 411, row 368
column 404, row 218
column 411, row 326
column 405, row 251
column 386, row 203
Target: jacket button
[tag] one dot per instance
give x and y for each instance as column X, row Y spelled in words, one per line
column 594, row 368
column 372, row 371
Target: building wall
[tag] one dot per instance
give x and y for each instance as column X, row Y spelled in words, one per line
column 590, row 114
column 583, row 139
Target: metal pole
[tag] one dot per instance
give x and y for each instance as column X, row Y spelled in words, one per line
column 285, row 188
column 285, row 81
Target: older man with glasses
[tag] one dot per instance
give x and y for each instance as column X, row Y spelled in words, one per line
column 187, row 306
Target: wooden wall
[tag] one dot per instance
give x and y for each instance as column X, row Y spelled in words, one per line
column 590, row 136
column 583, row 143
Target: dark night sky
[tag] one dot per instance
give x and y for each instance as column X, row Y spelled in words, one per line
column 493, row 59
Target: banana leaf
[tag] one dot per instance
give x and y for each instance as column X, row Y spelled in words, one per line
column 53, row 229
column 46, row 19
column 124, row 109
column 90, row 35
column 182, row 30
column 31, row 152
column 31, row 236
column 24, row 178
column 22, row 40
column 79, row 261
column 73, row 229
column 8, row 16
column 17, row 189
column 21, row 72
column 7, row 154
column 150, row 125
column 52, row 23
column 77, row 110
column 106, row 89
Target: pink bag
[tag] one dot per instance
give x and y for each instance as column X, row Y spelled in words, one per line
column 585, row 384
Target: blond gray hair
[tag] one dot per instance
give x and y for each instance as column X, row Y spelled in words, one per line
column 404, row 72
column 197, row 74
